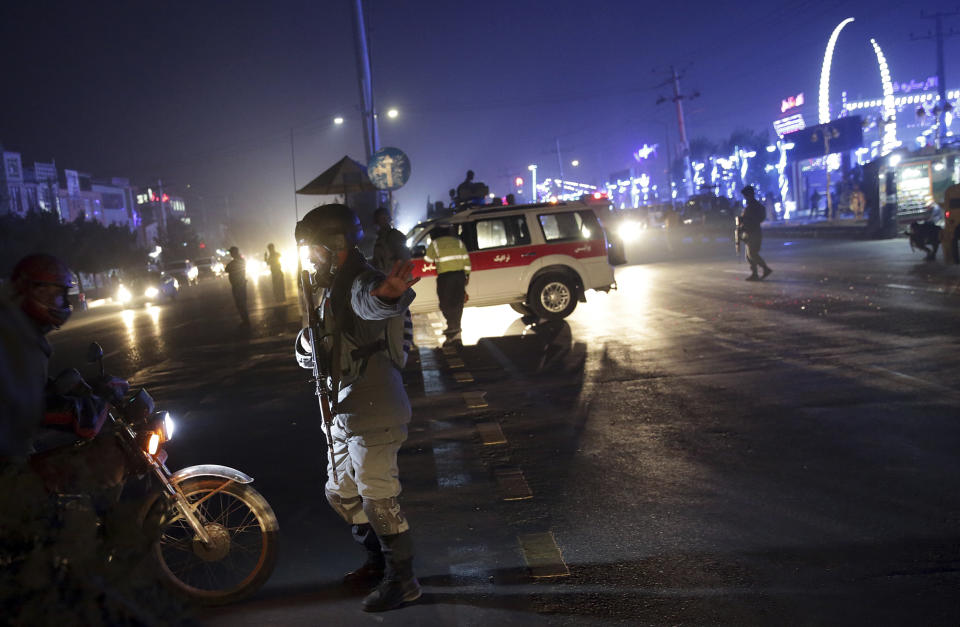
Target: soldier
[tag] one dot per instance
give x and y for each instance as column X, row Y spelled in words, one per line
column 272, row 259
column 365, row 332
column 751, row 218
column 391, row 246
column 237, row 270
column 453, row 273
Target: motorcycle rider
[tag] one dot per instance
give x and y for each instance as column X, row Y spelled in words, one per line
column 67, row 408
column 36, row 305
column 365, row 334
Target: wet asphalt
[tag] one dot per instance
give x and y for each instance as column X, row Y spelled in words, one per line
column 688, row 449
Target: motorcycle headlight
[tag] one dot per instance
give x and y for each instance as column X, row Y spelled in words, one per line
column 169, row 426
column 151, row 292
column 153, row 443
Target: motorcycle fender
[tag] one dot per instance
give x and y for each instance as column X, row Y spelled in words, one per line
column 210, row 470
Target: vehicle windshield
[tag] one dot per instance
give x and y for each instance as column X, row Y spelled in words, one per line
column 415, row 233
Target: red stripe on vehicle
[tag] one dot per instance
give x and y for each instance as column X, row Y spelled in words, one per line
column 517, row 256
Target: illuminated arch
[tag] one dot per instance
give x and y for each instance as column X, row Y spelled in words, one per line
column 824, row 107
column 889, row 110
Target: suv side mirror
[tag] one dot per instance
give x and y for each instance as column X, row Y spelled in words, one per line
column 418, row 251
column 95, row 354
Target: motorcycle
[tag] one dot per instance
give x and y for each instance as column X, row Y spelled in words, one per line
column 216, row 536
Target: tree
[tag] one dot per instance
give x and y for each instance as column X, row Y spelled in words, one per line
column 180, row 241
column 85, row 246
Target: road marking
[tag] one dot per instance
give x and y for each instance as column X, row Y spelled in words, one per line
column 491, row 433
column 433, row 382
column 513, row 485
column 542, row 555
column 677, row 314
column 935, row 290
column 949, row 392
column 475, row 400
column 463, row 377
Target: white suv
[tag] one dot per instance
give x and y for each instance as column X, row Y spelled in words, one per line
column 539, row 258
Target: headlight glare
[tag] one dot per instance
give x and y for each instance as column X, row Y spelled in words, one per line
column 629, row 231
column 306, row 262
column 124, row 295
column 151, row 292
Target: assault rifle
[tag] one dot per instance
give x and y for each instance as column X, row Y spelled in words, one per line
column 738, row 236
column 320, row 375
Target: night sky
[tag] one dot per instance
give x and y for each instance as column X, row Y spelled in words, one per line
column 206, row 93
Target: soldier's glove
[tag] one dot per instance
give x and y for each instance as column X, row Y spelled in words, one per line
column 301, row 350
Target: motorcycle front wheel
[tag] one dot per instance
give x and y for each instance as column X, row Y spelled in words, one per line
column 242, row 551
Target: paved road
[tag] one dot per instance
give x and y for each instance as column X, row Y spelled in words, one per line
column 690, row 449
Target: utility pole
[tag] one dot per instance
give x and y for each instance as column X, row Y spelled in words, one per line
column 371, row 141
column 678, row 99
column 938, row 34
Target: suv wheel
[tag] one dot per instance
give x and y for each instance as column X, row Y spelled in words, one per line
column 520, row 308
column 552, row 297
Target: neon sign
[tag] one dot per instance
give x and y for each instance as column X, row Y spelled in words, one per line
column 905, row 88
column 789, row 103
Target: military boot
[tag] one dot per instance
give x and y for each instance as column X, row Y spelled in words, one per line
column 371, row 572
column 399, row 584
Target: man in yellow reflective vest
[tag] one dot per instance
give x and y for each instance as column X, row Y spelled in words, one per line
column 453, row 273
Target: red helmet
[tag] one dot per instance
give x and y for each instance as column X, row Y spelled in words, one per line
column 43, row 269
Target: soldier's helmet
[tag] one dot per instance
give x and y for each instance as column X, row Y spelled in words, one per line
column 323, row 224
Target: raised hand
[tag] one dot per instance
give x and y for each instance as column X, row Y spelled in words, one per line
column 397, row 282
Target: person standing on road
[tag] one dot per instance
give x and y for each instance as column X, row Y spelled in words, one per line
column 272, row 259
column 366, row 332
column 751, row 218
column 453, row 273
column 391, row 246
column 237, row 270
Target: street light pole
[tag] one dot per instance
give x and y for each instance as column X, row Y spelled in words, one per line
column 293, row 164
column 533, row 183
column 371, row 141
